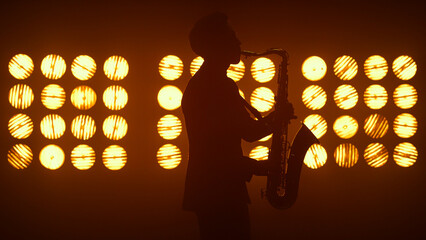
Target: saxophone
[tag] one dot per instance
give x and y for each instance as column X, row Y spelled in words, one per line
column 286, row 162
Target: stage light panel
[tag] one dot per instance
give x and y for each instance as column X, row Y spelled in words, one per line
column 115, row 127
column 83, row 67
column 21, row 66
column 317, row 124
column 20, row 126
column 171, row 67
column 404, row 67
column 115, row 97
column 83, row 127
column 346, row 155
column 263, row 99
column 169, row 97
column 405, row 125
column 405, row 96
column 376, row 155
column 53, row 66
column 314, row 97
column 169, row 127
column 21, row 96
column 315, row 157
column 259, row 153
column 116, row 68
column 83, row 157
column 376, row 126
column 83, row 97
column 375, row 67
column 345, row 68
column 114, row 157
column 236, row 71
column 53, row 96
column 52, row 157
column 52, row 126
column 169, row 156
column 195, row 65
column 314, row 68
column 345, row 126
column 263, row 69
column 20, row 156
column 375, row 96
column 405, row 154
column 346, row 97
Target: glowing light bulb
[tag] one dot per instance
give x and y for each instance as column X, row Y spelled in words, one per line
column 52, row 157
column 20, row 156
column 83, row 157
column 171, row 67
column 345, row 68
column 263, row 70
column 20, row 126
column 405, row 125
column 169, row 127
column 346, row 155
column 83, row 97
column 83, row 67
column 375, row 67
column 262, row 99
column 21, row 66
column 83, row 127
column 404, row 67
column 314, row 97
column 236, row 71
column 115, row 97
column 345, row 97
column 315, row 157
column 376, row 155
column 52, row 126
column 115, row 127
column 116, row 68
column 259, row 153
column 169, row 156
column 405, row 154
column 169, row 97
column 345, row 126
column 21, row 96
column 375, row 96
column 114, row 157
column 53, row 96
column 53, row 66
column 405, row 96
column 195, row 65
column 317, row 124
column 314, row 68
column 376, row 126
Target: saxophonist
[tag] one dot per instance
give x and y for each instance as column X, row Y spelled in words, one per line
column 216, row 120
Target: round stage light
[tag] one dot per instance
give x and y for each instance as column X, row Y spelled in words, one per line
column 376, row 155
column 266, row 138
column 262, row 99
column 346, row 155
column 115, row 127
column 52, row 157
column 375, row 96
column 315, row 157
column 20, row 156
column 405, row 96
column 314, row 97
column 259, row 153
column 195, row 65
column 169, row 156
column 115, row 97
column 375, row 67
column 114, row 157
column 345, row 97
column 169, row 97
column 53, row 66
column 21, row 96
column 83, row 97
column 405, row 125
column 83, row 157
column 345, row 126
column 171, row 67
column 317, row 124
column 83, row 127
column 314, row 68
column 83, row 67
column 376, row 126
column 263, row 69
column 345, row 68
column 52, row 126
column 236, row 71
column 20, row 126
column 404, row 67
column 116, row 68
column 169, row 127
column 21, row 66
column 53, row 96
column 405, row 154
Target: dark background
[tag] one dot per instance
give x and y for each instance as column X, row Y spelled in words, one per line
column 143, row 201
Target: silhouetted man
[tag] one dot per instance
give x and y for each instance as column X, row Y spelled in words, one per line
column 216, row 121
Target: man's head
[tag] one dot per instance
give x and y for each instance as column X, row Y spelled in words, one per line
column 212, row 38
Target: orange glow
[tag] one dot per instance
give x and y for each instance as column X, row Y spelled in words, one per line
column 405, row 125
column 53, row 66
column 115, row 97
column 266, row 138
column 345, row 126
column 195, row 65
column 262, row 99
column 314, row 97
column 169, row 156
column 83, row 157
column 346, row 155
column 83, row 67
column 52, row 126
column 83, row 97
column 315, row 157
column 376, row 126
column 21, row 96
column 314, row 68
column 115, row 127
column 405, row 96
column 345, row 97
column 114, row 157
column 375, row 67
column 236, row 71
column 404, row 67
column 20, row 156
column 20, row 126
column 345, row 68
column 259, row 153
column 169, row 97
column 317, row 124
column 83, row 127
column 263, row 70
column 116, row 68
column 405, row 154
column 52, row 157
column 169, row 127
column 53, row 96
column 21, row 66
column 171, row 67
column 376, row 155
column 375, row 96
